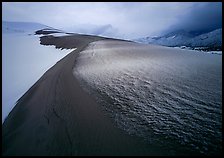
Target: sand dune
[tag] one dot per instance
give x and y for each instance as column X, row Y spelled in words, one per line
column 56, row 117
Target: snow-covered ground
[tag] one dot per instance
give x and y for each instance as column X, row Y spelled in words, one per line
column 195, row 50
column 59, row 34
column 24, row 61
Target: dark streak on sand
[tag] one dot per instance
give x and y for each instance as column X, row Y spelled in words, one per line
column 56, row 117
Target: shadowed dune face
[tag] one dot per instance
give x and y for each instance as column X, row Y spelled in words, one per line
column 69, row 41
column 41, row 32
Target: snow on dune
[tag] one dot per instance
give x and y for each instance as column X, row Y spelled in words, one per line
column 59, row 34
column 24, row 61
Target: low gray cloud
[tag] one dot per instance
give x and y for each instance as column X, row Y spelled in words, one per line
column 103, row 30
column 200, row 17
column 124, row 20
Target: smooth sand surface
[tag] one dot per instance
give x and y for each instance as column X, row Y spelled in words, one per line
column 56, row 117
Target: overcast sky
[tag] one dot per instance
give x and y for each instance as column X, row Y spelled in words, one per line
column 128, row 20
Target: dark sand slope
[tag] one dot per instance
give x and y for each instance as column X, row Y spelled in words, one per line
column 56, row 117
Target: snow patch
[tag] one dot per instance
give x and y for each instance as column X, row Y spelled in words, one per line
column 24, row 61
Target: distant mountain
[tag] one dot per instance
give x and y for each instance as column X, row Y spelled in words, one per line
column 171, row 39
column 211, row 40
column 22, row 27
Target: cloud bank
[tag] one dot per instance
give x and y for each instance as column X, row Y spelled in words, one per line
column 125, row 20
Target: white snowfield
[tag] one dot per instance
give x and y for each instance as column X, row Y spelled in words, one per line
column 24, row 61
column 196, row 51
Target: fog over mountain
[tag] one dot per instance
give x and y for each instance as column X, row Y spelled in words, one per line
column 200, row 17
column 210, row 40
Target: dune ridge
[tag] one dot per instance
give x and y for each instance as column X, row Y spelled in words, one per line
column 56, row 117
